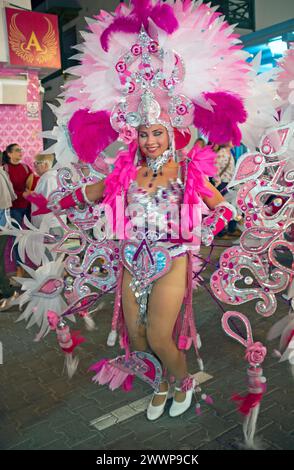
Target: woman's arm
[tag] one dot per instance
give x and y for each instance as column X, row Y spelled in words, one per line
column 85, row 194
column 94, row 192
column 216, row 197
column 29, row 182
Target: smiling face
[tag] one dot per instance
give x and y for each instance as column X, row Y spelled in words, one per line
column 153, row 140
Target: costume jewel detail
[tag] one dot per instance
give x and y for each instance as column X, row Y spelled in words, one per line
column 155, row 164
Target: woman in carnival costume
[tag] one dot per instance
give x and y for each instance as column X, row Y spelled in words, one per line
column 144, row 82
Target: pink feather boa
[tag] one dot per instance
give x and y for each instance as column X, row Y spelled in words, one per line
column 118, row 181
column 221, row 124
column 200, row 167
column 90, row 133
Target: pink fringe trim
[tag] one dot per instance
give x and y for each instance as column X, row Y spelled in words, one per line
column 106, row 373
column 128, row 383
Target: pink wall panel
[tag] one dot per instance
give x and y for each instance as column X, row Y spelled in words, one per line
column 16, row 125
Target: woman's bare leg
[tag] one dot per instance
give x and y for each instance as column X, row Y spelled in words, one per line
column 136, row 331
column 164, row 305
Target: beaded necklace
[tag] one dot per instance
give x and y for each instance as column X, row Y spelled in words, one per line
column 156, row 164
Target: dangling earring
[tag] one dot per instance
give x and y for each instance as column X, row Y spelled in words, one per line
column 138, row 158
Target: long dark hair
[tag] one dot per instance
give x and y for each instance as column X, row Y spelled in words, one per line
column 5, row 156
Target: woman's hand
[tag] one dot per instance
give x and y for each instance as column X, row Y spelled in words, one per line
column 26, row 193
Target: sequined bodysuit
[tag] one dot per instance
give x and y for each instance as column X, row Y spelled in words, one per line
column 156, row 214
column 148, row 251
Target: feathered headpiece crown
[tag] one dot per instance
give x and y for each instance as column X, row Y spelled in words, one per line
column 178, row 59
column 150, row 86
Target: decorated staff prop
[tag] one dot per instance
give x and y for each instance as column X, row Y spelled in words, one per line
column 255, row 353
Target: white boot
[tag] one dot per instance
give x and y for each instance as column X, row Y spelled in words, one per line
column 179, row 407
column 154, row 412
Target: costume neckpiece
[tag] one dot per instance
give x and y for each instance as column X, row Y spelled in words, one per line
column 155, row 164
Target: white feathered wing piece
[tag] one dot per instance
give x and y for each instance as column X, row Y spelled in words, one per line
column 65, row 155
column 30, row 241
column 42, row 292
column 97, row 86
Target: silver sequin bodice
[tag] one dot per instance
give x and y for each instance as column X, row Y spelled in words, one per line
column 153, row 212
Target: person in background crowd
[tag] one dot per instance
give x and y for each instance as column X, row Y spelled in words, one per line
column 200, row 142
column 31, row 185
column 46, row 185
column 225, row 166
column 21, row 178
column 32, row 182
column 7, row 195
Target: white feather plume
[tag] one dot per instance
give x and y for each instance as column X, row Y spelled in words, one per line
column 37, row 306
column 261, row 104
column 30, row 243
column 62, row 148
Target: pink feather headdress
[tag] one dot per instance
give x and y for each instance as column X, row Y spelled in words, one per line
column 178, row 59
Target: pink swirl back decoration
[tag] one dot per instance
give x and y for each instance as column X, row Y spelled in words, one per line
column 263, row 264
